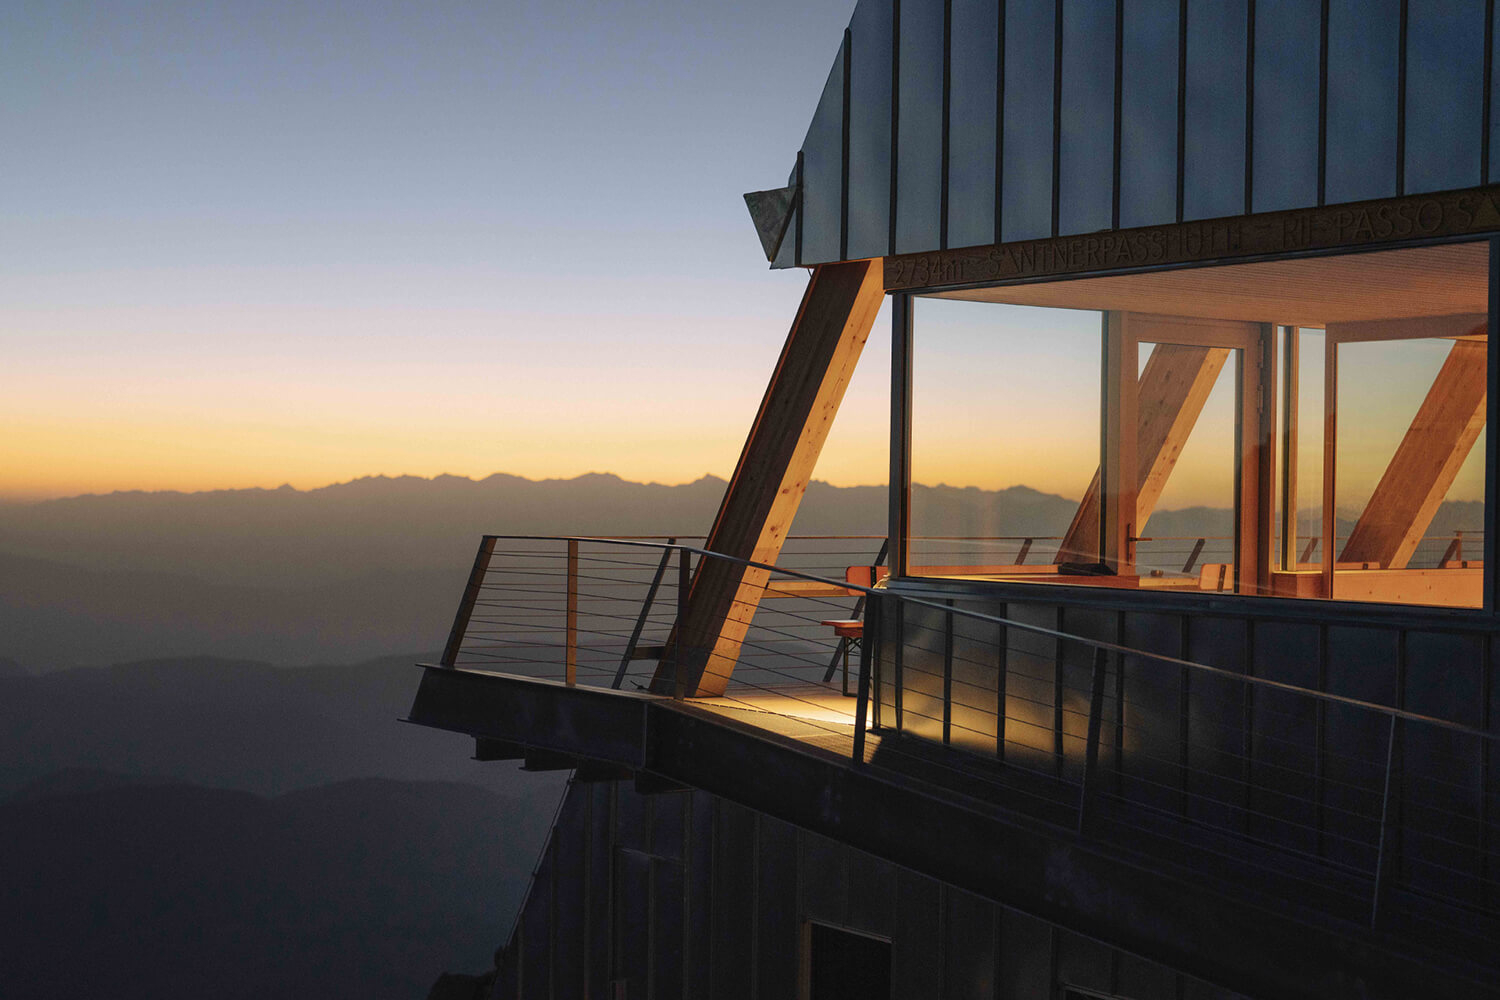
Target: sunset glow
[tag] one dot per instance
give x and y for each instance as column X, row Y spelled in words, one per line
column 237, row 256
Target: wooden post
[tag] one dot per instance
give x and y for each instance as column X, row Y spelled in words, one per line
column 1330, row 458
column 1257, row 439
column 570, row 670
column 795, row 415
column 1118, row 470
column 1291, row 365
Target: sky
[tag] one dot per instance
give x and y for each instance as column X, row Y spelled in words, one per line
column 255, row 243
column 248, row 244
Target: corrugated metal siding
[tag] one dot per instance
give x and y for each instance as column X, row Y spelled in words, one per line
column 961, row 119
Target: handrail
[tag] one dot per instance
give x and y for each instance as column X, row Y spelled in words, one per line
column 1361, row 811
column 1102, row 644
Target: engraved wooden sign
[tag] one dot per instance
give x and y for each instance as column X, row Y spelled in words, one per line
column 1357, row 224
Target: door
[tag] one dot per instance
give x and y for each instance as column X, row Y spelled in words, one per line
column 1187, row 451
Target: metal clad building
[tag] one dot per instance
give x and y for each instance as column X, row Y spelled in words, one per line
column 974, row 122
column 1175, row 671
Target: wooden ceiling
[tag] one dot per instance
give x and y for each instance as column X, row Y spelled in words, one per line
column 1391, row 284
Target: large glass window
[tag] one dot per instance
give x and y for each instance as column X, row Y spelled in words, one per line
column 999, row 468
column 1307, row 428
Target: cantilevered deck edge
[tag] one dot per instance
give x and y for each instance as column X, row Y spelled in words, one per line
column 1238, row 940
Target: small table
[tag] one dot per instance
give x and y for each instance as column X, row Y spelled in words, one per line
column 851, row 632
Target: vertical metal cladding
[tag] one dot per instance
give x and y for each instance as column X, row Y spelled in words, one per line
column 1284, row 170
column 822, row 173
column 1027, row 122
column 1035, row 140
column 871, row 32
column 1213, row 155
column 1492, row 110
column 1444, row 94
column 720, row 911
column 973, row 62
column 1148, row 115
column 1087, row 107
column 919, row 153
column 1363, row 64
column 788, row 253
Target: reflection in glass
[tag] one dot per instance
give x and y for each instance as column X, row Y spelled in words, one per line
column 1300, row 447
column 1187, row 502
column 1409, row 470
column 1192, row 453
column 1005, row 434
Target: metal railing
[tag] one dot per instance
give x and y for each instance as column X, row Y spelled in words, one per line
column 1365, row 811
column 1170, row 556
column 602, row 611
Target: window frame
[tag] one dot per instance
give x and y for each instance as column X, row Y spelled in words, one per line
column 1253, row 605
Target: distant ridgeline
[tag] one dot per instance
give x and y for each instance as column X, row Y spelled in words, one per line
column 373, row 566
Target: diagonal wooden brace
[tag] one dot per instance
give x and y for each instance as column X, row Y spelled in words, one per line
column 1425, row 464
column 832, row 324
column 1173, row 390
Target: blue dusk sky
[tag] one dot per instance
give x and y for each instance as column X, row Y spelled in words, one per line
column 255, row 243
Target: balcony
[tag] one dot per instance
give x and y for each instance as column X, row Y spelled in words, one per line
column 1242, row 828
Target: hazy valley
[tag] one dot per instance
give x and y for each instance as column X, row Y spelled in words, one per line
column 181, row 793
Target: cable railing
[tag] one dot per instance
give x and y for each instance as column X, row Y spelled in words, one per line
column 1368, row 812
column 1182, row 562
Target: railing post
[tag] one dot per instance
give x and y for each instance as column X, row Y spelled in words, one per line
column 1454, row 551
column 1390, row 821
column 570, row 669
column 898, row 673
column 867, row 646
column 466, row 606
column 948, row 675
column 684, row 581
column 640, row 622
column 1087, row 794
column 1192, row 559
column 877, row 605
column 1001, row 666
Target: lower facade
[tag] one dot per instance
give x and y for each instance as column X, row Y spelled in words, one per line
column 674, row 894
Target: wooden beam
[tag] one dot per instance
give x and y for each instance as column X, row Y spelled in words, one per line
column 817, row 361
column 1426, row 462
column 1291, row 367
column 1174, row 387
column 1173, row 390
